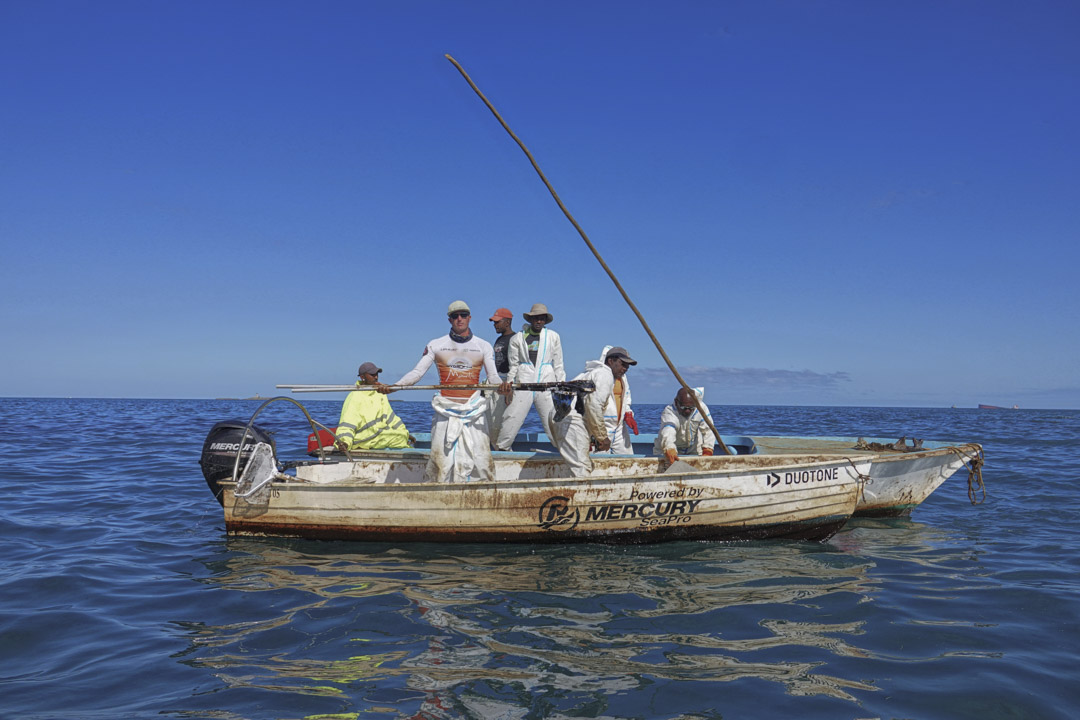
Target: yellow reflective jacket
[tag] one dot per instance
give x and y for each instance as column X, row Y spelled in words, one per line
column 368, row 423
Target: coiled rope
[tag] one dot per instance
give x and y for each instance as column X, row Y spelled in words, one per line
column 974, row 463
column 864, row 480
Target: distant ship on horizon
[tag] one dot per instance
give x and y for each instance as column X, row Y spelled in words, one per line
column 997, row 407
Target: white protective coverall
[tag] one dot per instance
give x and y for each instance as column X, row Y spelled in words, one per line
column 460, row 446
column 548, row 368
column 614, row 421
column 573, row 433
column 684, row 435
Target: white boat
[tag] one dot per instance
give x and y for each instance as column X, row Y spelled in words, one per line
column 901, row 477
column 796, row 488
column 383, row 496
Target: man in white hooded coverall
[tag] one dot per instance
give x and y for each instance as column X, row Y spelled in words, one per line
column 460, row 446
column 683, row 429
column 575, row 432
column 535, row 355
column 618, row 416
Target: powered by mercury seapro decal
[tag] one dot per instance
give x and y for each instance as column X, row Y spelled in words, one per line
column 650, row 508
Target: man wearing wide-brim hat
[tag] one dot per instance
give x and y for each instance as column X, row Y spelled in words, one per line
column 535, row 356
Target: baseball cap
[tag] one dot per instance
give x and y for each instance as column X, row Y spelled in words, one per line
column 368, row 368
column 620, row 352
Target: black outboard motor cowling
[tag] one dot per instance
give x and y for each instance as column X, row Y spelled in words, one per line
column 219, row 452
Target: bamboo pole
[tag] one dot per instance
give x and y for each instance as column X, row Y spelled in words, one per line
column 596, row 254
column 569, row 384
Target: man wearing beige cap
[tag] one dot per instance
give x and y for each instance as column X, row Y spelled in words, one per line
column 367, row 420
column 460, row 446
column 535, row 356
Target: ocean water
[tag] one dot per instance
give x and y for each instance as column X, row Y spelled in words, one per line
column 122, row 597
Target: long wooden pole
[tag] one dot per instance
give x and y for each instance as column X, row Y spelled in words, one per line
column 350, row 388
column 596, row 254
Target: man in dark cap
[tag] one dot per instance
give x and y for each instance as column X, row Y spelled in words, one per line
column 367, row 420
column 575, row 432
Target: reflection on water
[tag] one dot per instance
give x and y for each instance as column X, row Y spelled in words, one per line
column 123, row 599
column 474, row 630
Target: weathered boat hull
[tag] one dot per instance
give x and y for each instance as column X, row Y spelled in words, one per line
column 899, row 481
column 626, row 500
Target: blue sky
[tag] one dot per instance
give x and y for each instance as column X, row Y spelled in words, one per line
column 812, row 203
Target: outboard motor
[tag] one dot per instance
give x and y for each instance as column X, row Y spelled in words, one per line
column 219, row 452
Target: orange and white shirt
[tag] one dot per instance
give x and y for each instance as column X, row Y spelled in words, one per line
column 458, row 363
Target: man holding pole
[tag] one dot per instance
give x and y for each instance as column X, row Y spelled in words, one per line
column 460, row 449
column 367, row 420
column 577, row 430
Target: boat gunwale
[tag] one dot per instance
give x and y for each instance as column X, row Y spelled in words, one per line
column 589, row 479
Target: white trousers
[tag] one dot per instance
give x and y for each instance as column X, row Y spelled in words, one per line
column 513, row 415
column 460, row 449
column 621, row 444
column 496, row 408
column 572, row 438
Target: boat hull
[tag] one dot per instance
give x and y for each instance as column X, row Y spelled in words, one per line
column 625, row 500
column 898, row 481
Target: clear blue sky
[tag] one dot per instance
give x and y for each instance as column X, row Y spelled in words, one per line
column 835, row 203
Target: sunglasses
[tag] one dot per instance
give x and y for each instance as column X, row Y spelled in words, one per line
column 455, row 316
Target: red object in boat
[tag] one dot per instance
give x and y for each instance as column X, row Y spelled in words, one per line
column 326, row 438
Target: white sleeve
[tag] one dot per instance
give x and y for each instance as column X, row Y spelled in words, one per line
column 556, row 358
column 513, row 356
column 668, row 423
column 596, row 403
column 413, row 376
column 489, row 365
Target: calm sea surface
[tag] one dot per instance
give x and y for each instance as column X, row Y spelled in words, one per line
column 122, row 597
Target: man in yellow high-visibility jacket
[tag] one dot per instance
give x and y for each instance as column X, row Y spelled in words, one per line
column 367, row 421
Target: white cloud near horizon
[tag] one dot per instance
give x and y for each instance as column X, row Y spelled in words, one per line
column 741, row 377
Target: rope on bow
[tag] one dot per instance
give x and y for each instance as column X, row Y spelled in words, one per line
column 974, row 463
column 864, row 480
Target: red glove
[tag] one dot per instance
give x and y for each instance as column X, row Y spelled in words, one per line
column 671, row 456
column 630, row 422
column 706, row 451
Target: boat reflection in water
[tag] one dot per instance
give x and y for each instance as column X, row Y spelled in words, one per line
column 523, row 629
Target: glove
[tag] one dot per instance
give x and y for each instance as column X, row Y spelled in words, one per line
column 706, row 451
column 630, row 422
column 671, row 456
